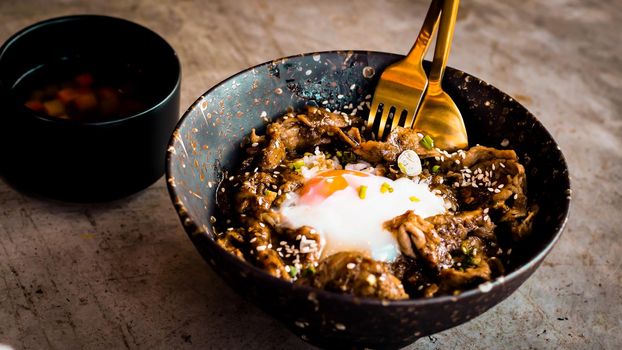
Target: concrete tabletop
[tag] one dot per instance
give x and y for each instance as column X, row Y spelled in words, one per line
column 124, row 275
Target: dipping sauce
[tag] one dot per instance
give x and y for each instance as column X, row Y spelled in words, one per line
column 89, row 92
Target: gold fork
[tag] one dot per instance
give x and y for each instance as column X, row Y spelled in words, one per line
column 403, row 83
column 438, row 115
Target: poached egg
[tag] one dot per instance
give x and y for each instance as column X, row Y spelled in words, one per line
column 348, row 208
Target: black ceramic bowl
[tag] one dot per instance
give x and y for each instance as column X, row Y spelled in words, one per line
column 79, row 160
column 207, row 141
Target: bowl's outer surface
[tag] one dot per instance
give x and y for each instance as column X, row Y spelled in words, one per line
column 71, row 160
column 207, row 142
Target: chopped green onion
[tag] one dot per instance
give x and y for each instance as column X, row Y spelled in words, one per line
column 385, row 187
column 436, row 168
column 269, row 194
column 309, row 271
column 427, row 142
column 348, row 157
column 362, row 192
column 414, row 199
column 297, row 165
column 293, row 271
column 339, row 154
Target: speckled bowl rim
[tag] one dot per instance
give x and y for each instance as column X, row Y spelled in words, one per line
column 263, row 276
column 55, row 20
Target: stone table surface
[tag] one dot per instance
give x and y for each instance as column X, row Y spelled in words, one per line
column 124, row 275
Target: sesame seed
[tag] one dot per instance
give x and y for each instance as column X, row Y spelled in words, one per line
column 231, row 178
column 502, row 165
column 261, row 248
column 254, row 144
column 262, row 224
column 340, row 326
column 371, row 279
column 351, row 266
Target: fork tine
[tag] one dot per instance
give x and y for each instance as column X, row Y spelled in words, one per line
column 372, row 113
column 410, row 119
column 383, row 120
column 396, row 117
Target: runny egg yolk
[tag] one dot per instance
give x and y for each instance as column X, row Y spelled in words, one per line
column 348, row 209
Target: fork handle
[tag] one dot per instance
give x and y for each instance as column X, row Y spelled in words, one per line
column 443, row 43
column 419, row 49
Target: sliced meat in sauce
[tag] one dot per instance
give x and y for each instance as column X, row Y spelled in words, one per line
column 484, row 190
column 356, row 274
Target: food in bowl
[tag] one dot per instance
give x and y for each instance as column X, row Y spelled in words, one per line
column 85, row 91
column 316, row 203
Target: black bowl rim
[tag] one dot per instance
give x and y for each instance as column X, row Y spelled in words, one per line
column 57, row 20
column 264, row 277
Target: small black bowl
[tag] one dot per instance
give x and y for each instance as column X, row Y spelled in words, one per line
column 207, row 141
column 87, row 160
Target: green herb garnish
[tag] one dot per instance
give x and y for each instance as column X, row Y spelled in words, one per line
column 435, row 169
column 427, row 142
column 293, row 271
column 309, row 271
column 385, row 187
column 362, row 192
column 270, row 194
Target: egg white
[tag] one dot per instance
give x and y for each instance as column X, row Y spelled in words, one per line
column 347, row 222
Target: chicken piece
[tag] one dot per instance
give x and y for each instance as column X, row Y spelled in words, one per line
column 418, row 238
column 399, row 140
column 255, row 193
column 274, row 153
column 259, row 239
column 434, row 238
column 500, row 184
column 232, row 241
column 356, row 274
column 307, row 241
column 471, row 267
